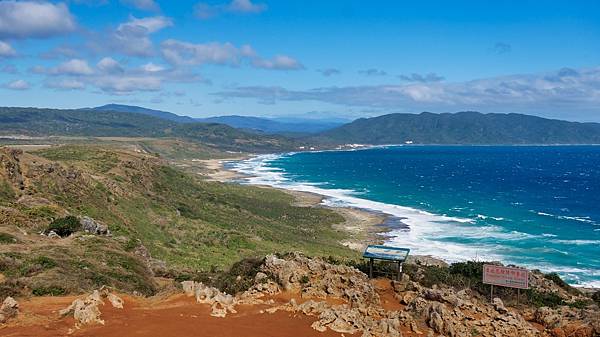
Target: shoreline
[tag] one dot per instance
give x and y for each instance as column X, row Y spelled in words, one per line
column 361, row 226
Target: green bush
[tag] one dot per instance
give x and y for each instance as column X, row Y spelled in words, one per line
column 596, row 296
column 559, row 282
column 64, row 226
column 45, row 262
column 543, row 299
column 49, row 291
column 6, row 238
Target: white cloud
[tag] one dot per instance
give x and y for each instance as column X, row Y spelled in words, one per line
column 415, row 77
column 72, row 67
column 128, row 84
column 133, row 37
column 34, row 19
column 113, row 77
column 151, row 68
column 279, row 62
column 17, row 85
column 184, row 53
column 6, row 50
column 149, row 24
column 109, row 65
column 179, row 53
column 145, row 5
column 205, row 11
column 246, row 6
column 372, row 72
column 564, row 91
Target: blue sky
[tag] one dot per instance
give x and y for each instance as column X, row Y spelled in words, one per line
column 308, row 58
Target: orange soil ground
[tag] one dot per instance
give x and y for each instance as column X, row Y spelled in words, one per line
column 176, row 316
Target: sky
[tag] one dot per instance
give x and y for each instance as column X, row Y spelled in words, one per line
column 304, row 58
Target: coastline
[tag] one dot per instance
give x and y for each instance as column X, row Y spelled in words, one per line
column 360, row 226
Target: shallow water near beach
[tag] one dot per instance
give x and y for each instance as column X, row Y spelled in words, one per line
column 536, row 206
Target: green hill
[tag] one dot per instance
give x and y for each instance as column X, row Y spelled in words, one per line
column 90, row 123
column 462, row 128
column 153, row 210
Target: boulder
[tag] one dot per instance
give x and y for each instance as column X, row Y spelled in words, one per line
column 91, row 226
column 86, row 311
column 221, row 303
column 9, row 309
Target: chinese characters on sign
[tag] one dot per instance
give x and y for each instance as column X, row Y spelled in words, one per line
column 506, row 276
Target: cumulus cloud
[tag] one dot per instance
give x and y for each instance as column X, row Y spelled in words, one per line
column 205, row 11
column 109, row 65
column 414, row 77
column 6, row 50
column 73, row 67
column 34, row 19
column 245, row 6
column 180, row 53
column 372, row 72
column 329, row 72
column 279, row 62
column 561, row 90
column 184, row 53
column 131, row 38
column 17, row 85
column 145, row 5
column 112, row 77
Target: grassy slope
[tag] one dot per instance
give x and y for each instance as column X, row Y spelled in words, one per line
column 189, row 223
column 90, row 123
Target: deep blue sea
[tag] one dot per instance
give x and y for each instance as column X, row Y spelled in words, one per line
column 536, row 206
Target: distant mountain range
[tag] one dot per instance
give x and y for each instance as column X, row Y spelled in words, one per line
column 252, row 134
column 93, row 123
column 292, row 127
column 461, row 128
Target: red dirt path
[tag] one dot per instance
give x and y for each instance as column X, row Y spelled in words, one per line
column 175, row 316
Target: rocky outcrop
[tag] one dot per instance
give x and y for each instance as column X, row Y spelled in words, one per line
column 315, row 278
column 86, row 311
column 452, row 313
column 8, row 310
column 221, row 303
column 567, row 321
column 92, row 226
column 344, row 300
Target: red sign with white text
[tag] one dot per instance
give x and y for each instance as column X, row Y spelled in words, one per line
column 506, row 276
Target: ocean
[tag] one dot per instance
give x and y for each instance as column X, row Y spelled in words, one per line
column 534, row 206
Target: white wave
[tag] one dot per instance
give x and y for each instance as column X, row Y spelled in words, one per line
column 577, row 242
column 485, row 217
column 427, row 233
column 585, row 219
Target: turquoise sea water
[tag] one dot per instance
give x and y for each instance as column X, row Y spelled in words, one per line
column 533, row 206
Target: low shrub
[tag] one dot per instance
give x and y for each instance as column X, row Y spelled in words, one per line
column 49, row 291
column 543, row 299
column 64, row 226
column 561, row 283
column 596, row 296
column 6, row 238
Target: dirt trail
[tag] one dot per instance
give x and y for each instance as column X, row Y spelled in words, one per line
column 176, row 316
